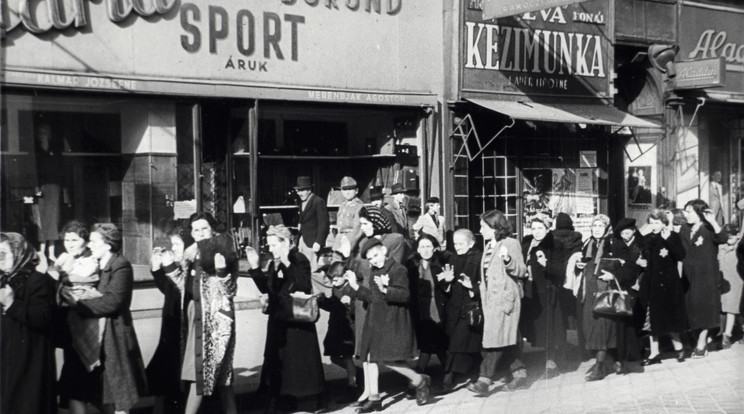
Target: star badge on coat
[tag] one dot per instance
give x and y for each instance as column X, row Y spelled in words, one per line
column 699, row 241
column 663, row 252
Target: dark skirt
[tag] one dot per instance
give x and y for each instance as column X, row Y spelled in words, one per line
column 76, row 383
column 461, row 362
column 431, row 337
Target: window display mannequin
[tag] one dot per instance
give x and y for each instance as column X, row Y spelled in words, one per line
column 716, row 198
column 49, row 193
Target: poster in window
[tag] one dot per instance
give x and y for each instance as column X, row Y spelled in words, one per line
column 639, row 186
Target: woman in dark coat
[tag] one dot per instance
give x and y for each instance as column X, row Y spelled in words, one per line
column 701, row 238
column 387, row 337
column 544, row 324
column 428, row 300
column 27, row 370
column 463, row 352
column 121, row 382
column 661, row 289
column 292, row 361
column 600, row 331
column 627, row 248
column 164, row 369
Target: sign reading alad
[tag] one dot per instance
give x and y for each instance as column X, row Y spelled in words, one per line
column 559, row 51
column 698, row 74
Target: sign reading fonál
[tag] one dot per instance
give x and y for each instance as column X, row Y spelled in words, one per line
column 555, row 51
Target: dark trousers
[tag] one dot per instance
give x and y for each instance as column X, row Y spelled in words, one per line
column 491, row 358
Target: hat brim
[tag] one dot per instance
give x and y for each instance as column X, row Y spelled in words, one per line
column 304, row 187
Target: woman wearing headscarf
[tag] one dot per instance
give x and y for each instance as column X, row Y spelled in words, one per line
column 701, row 237
column 661, row 290
column 600, row 331
column 627, row 248
column 501, row 267
column 120, row 382
column 374, row 224
column 27, row 367
column 544, row 323
column 292, row 361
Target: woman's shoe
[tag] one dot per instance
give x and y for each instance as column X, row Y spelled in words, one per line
column 598, row 372
column 370, row 406
column 423, row 391
column 358, row 403
column 479, row 388
column 726, row 341
column 652, row 361
column 621, row 368
column 700, row 353
column 681, row 355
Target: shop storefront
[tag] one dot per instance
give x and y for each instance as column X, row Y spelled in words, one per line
column 533, row 125
column 141, row 114
column 705, row 110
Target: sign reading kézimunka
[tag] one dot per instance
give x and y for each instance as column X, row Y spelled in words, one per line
column 559, row 51
column 376, row 45
column 710, row 34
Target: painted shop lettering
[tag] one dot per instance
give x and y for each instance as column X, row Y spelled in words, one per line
column 392, row 7
column 61, row 14
column 712, row 44
column 517, row 49
column 279, row 35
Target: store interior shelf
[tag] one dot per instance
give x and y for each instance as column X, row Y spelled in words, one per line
column 317, row 157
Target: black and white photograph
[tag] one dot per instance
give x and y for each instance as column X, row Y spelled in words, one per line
column 361, row 206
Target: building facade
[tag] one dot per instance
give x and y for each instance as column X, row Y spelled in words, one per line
column 152, row 110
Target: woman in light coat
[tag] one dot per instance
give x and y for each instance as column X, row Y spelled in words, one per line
column 501, row 266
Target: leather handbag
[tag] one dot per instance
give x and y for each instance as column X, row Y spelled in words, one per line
column 302, row 309
column 474, row 315
column 613, row 302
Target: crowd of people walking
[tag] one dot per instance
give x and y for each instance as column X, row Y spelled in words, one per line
column 396, row 295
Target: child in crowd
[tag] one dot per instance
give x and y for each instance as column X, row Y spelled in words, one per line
column 339, row 340
column 82, row 273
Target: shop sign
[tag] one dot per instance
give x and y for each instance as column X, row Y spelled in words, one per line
column 711, row 34
column 295, row 43
column 493, row 9
column 698, row 74
column 559, row 51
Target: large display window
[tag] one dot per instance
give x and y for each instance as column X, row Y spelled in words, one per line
column 95, row 159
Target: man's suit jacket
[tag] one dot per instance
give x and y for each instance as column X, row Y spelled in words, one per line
column 314, row 224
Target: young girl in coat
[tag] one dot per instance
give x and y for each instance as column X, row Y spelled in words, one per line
column 729, row 257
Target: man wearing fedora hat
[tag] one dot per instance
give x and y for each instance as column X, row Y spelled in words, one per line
column 347, row 219
column 398, row 208
column 313, row 223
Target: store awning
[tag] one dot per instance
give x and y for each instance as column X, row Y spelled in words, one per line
column 596, row 114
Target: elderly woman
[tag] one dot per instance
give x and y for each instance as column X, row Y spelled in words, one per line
column 120, row 382
column 544, row 321
column 600, row 331
column 502, row 265
column 701, row 237
column 209, row 323
column 27, row 371
column 661, row 291
column 292, row 362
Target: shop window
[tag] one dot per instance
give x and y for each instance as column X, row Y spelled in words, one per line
column 95, row 159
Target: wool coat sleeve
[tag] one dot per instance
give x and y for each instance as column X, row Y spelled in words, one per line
column 35, row 308
column 676, row 249
column 117, row 294
column 299, row 268
column 516, row 267
column 398, row 290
